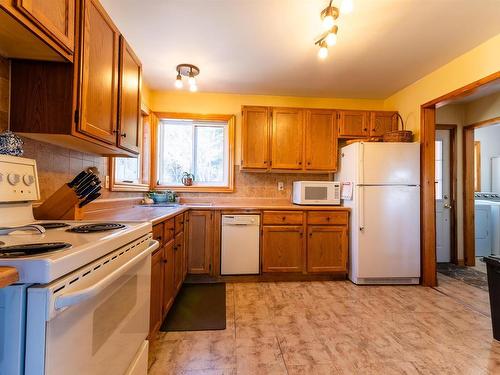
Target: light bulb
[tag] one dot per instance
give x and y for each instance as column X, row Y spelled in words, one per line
column 328, row 22
column 323, row 51
column 178, row 82
column 331, row 39
column 193, row 87
column 192, row 80
column 346, row 7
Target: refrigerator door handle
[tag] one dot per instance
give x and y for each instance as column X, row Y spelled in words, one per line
column 361, row 208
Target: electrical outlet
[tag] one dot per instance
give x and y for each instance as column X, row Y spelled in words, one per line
column 281, row 186
column 106, row 182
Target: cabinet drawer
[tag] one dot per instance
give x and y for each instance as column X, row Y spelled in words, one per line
column 283, row 218
column 179, row 223
column 328, row 217
column 158, row 233
column 169, row 230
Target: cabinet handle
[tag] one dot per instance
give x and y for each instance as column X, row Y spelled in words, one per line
column 299, row 163
column 265, row 161
column 124, row 135
column 308, row 163
column 283, row 218
column 328, row 218
column 310, row 234
column 365, row 129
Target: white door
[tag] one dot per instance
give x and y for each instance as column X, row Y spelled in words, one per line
column 443, row 202
column 389, row 232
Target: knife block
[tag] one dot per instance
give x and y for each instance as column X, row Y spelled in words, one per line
column 62, row 205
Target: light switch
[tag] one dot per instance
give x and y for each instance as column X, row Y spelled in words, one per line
column 281, row 186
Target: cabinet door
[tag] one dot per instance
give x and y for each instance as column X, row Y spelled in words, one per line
column 255, row 138
column 287, row 138
column 382, row 122
column 321, row 141
column 353, row 124
column 156, row 303
column 129, row 136
column 327, row 249
column 168, row 276
column 99, row 74
column 200, row 242
column 282, row 249
column 186, row 246
column 54, row 17
column 178, row 261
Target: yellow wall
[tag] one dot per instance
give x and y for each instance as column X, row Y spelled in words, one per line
column 469, row 67
column 485, row 108
column 212, row 103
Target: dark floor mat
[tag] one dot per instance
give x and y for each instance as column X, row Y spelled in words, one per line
column 466, row 274
column 198, row 307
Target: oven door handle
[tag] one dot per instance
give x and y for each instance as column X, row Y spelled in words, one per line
column 74, row 298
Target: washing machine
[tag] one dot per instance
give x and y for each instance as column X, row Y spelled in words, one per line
column 487, row 223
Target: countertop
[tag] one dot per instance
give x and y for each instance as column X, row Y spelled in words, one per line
column 156, row 214
column 8, row 275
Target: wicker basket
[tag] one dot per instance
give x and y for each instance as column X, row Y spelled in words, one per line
column 399, row 135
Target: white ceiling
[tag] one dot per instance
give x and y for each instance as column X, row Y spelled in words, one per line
column 266, row 46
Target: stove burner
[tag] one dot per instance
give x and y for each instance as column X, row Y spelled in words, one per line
column 99, row 227
column 54, row 225
column 31, row 249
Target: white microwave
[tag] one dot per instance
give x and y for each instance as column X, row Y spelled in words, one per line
column 316, row 193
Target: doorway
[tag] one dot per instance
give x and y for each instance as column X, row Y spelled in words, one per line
column 445, row 192
column 428, row 186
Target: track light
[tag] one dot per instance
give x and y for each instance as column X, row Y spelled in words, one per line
column 331, row 38
column 178, row 81
column 323, row 50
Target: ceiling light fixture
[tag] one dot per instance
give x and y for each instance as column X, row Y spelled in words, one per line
column 187, row 70
column 329, row 17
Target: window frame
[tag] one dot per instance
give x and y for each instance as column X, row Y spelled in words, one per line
column 115, row 185
column 229, row 119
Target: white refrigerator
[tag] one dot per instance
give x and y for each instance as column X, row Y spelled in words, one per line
column 384, row 246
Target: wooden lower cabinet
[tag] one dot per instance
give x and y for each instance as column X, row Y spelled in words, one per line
column 178, row 256
column 200, row 242
column 327, row 249
column 167, row 272
column 156, row 296
column 168, row 276
column 282, row 248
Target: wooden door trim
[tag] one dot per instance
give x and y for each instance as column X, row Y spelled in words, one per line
column 468, row 193
column 427, row 202
column 453, row 188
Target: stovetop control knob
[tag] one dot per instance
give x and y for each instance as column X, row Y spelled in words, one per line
column 13, row 178
column 28, row 179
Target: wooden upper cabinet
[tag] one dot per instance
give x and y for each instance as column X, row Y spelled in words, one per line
column 320, row 140
column 200, row 242
column 55, row 17
column 287, row 138
column 255, row 135
column 99, row 74
column 129, row 115
column 353, row 124
column 282, row 248
column 382, row 122
column 327, row 248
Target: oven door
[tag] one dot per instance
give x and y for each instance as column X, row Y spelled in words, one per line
column 96, row 319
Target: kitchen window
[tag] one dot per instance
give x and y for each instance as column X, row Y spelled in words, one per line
column 198, row 145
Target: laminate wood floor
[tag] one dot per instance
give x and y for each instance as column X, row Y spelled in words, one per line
column 340, row 328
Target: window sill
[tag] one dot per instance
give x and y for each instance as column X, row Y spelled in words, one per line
column 129, row 187
column 197, row 189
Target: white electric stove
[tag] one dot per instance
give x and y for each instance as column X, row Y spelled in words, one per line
column 82, row 301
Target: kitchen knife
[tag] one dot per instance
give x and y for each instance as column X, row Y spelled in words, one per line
column 85, row 184
column 90, row 190
column 89, row 199
column 84, row 180
column 77, row 179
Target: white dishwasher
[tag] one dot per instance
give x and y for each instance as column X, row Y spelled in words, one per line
column 240, row 245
